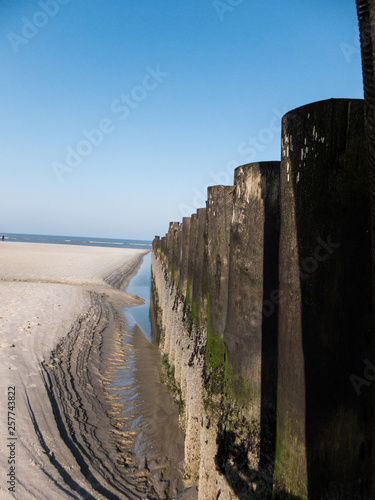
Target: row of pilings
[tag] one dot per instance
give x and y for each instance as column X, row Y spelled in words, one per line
column 264, row 308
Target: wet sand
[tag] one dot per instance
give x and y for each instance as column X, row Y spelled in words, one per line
column 145, row 411
column 60, row 329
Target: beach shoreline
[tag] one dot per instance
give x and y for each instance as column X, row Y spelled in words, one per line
column 59, row 303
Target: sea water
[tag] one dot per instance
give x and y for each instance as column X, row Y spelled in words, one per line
column 78, row 240
column 141, row 285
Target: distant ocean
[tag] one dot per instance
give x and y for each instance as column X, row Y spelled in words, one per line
column 78, row 240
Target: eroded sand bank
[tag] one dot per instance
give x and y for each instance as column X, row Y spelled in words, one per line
column 57, row 303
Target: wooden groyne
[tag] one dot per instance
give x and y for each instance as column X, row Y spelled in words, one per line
column 263, row 303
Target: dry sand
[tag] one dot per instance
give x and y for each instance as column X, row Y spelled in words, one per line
column 58, row 303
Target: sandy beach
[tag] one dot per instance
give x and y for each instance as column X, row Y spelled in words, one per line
column 58, row 303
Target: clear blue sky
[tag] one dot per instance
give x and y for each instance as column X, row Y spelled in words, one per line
column 116, row 115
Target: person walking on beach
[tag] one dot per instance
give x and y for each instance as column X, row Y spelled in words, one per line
column 2, row 237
